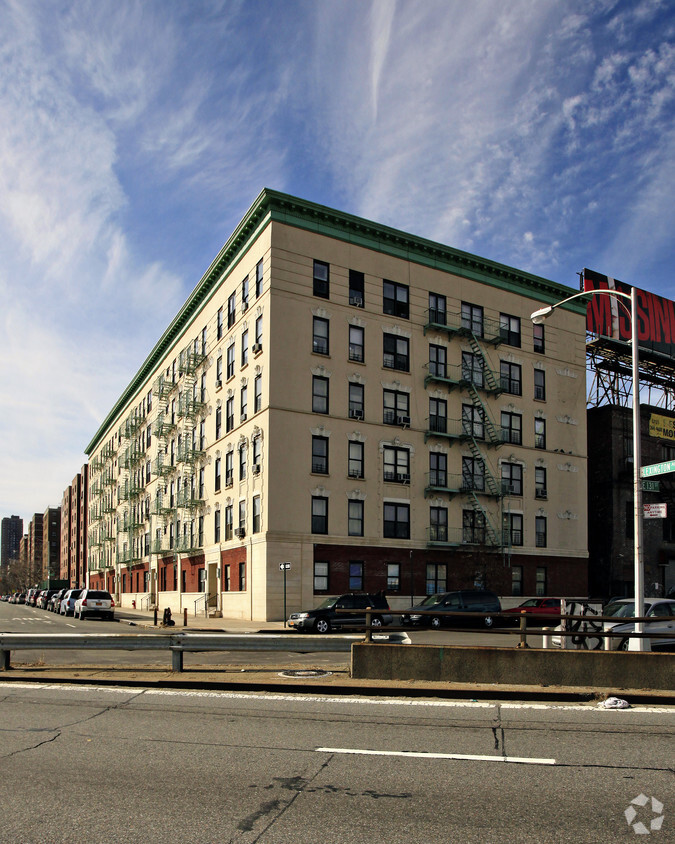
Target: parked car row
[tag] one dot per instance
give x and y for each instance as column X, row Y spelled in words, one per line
column 80, row 603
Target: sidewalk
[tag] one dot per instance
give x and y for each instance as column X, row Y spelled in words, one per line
column 146, row 618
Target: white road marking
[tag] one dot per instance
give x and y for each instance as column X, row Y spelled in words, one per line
column 521, row 760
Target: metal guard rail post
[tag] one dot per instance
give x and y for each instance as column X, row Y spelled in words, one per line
column 180, row 643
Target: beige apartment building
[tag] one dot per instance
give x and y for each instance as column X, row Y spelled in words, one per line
column 371, row 407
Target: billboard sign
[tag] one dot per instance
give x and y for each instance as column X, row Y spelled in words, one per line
column 606, row 317
column 662, row 427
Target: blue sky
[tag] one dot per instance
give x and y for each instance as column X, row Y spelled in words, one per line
column 134, row 135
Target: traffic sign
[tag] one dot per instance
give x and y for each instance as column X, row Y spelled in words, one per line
column 655, row 511
column 657, row 469
column 284, row 566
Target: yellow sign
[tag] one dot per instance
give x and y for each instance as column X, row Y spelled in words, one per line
column 662, row 427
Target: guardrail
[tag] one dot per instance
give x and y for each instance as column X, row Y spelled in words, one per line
column 180, row 643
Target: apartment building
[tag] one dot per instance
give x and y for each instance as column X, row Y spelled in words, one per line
column 74, row 527
column 12, row 531
column 51, row 544
column 371, row 407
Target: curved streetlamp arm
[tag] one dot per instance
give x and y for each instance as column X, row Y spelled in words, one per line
column 539, row 316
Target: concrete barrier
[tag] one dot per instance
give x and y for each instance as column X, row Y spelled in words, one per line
column 526, row 666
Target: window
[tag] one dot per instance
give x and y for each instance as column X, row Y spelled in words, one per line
column 244, row 404
column 204, row 340
column 396, row 462
column 393, row 577
column 438, row 415
column 355, row 464
column 516, row 580
column 258, row 330
column 395, row 352
column 513, row 529
column 216, row 526
column 438, row 524
column 219, row 324
column 257, row 393
column 230, row 361
column 229, row 470
column 219, row 421
column 437, row 309
column 320, row 455
column 512, row 428
column 395, row 299
column 320, row 576
column 258, row 278
column 472, row 318
column 242, row 577
column 244, row 348
column 201, row 483
column 438, row 361
column 540, row 531
column 243, row 454
column 231, row 310
column 473, row 422
column 229, row 414
column 437, row 578
column 356, row 343
column 202, row 435
column 355, row 518
column 540, row 384
column 355, row 575
column 319, row 514
column 473, row 474
column 396, row 521
column 540, row 483
column 472, row 368
column 512, row 479
column 396, row 407
column 219, row 370
column 511, row 378
column 509, row 329
column 473, row 527
column 217, row 483
column 540, row 584
column 227, row 578
column 356, row 401
column 321, row 279
column 228, row 523
column 200, row 536
column 242, row 515
column 438, row 469
column 319, row 394
column 244, row 294
column 256, row 514
column 320, row 336
column 356, row 289
column 540, row 433
column 538, row 339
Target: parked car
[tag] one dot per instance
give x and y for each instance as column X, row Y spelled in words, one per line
column 325, row 617
column 55, row 600
column 30, row 597
column 44, row 598
column 464, row 601
column 67, row 606
column 540, row 611
column 622, row 610
column 412, row 617
column 94, row 602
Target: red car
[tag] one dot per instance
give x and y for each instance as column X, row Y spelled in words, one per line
column 540, row 612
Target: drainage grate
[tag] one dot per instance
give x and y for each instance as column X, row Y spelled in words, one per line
column 306, row 673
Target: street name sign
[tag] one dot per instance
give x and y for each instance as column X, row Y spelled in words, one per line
column 651, row 486
column 657, row 469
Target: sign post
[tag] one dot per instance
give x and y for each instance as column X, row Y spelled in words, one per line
column 284, row 567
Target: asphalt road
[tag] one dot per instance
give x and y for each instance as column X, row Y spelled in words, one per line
column 147, row 765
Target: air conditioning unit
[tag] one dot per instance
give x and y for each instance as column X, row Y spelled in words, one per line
column 219, row 384
column 509, row 489
column 257, row 347
column 356, row 300
column 402, row 478
column 354, row 413
column 240, row 533
column 540, row 493
column 354, row 473
column 403, row 420
column 256, row 468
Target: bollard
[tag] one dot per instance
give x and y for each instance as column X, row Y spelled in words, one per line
column 155, row 614
column 523, row 633
column 185, row 617
column 369, row 629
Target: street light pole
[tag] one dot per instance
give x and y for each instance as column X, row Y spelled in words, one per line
column 635, row 643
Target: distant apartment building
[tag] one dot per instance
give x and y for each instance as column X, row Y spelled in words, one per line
column 51, row 544
column 34, row 559
column 12, row 531
column 374, row 408
column 74, row 530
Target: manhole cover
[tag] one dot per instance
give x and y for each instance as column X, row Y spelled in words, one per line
column 305, row 673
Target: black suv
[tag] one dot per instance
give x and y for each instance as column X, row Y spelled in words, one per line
column 325, row 617
column 466, row 600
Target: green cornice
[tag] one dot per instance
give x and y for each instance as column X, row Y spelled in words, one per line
column 280, row 207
